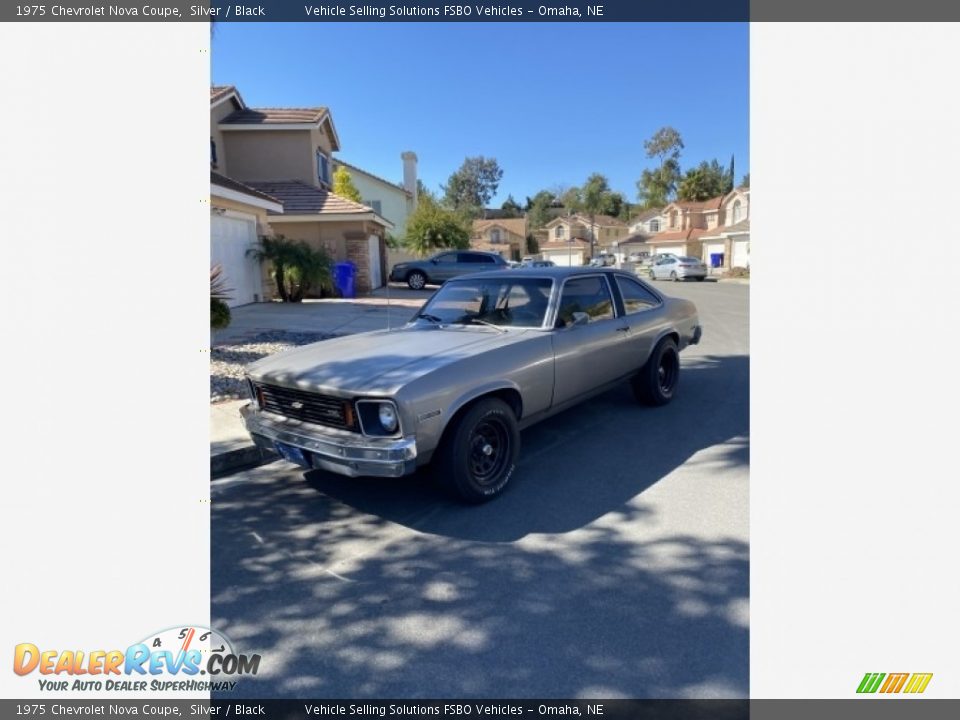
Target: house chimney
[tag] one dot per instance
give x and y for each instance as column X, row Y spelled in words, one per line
column 410, row 174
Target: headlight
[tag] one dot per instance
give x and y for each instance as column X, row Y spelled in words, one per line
column 388, row 417
column 378, row 418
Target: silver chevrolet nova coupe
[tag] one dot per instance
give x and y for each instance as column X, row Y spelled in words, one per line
column 486, row 356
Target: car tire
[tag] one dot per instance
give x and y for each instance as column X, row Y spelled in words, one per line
column 416, row 280
column 478, row 454
column 673, row 276
column 652, row 276
column 656, row 383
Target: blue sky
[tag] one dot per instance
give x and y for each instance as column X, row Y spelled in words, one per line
column 552, row 102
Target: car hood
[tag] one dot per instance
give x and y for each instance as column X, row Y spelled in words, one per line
column 378, row 362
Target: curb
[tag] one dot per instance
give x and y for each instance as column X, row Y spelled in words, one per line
column 243, row 458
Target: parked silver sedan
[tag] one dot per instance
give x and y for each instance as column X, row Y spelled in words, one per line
column 672, row 267
column 486, row 356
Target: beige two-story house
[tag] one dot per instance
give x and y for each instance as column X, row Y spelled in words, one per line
column 506, row 236
column 727, row 245
column 605, row 231
column 717, row 230
column 286, row 154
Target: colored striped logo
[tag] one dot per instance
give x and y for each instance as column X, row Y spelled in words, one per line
column 913, row 683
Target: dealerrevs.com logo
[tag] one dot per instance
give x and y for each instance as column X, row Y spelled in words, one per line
column 188, row 658
column 910, row 683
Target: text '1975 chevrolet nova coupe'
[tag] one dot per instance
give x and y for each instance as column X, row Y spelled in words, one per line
column 486, row 356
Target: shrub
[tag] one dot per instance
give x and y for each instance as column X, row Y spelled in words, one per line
column 296, row 267
column 219, row 294
column 219, row 314
column 737, row 272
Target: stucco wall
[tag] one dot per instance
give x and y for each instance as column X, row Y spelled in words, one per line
column 394, row 204
column 217, row 114
column 270, row 155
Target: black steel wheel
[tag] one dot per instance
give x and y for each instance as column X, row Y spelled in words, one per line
column 478, row 454
column 416, row 280
column 656, row 383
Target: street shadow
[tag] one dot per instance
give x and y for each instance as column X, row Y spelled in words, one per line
column 567, row 586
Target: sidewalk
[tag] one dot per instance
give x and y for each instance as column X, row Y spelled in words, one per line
column 230, row 446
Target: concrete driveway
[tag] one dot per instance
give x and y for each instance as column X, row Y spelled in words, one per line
column 615, row 566
column 393, row 304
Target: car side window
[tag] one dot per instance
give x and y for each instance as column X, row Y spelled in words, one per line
column 636, row 298
column 447, row 258
column 590, row 295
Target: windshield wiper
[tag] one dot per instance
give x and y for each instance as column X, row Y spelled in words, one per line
column 470, row 319
column 431, row 318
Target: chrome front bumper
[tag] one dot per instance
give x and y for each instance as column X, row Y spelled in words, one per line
column 337, row 451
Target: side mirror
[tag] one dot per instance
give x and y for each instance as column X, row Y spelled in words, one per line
column 580, row 318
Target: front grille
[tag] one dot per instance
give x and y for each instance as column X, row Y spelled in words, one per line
column 308, row 407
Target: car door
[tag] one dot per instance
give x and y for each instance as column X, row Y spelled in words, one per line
column 592, row 354
column 664, row 268
column 444, row 267
column 644, row 315
column 476, row 262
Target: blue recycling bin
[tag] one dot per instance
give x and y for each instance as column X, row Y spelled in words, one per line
column 716, row 260
column 344, row 277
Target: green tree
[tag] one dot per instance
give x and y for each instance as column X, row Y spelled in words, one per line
column 512, row 207
column 432, row 227
column 594, row 198
column 730, row 177
column 424, row 191
column 745, row 181
column 655, row 187
column 343, row 185
column 470, row 188
column 707, row 180
column 538, row 209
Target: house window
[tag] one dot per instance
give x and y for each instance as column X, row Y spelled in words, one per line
column 213, row 153
column 375, row 205
column 655, row 226
column 736, row 211
column 673, row 219
column 323, row 168
column 558, row 233
column 495, row 235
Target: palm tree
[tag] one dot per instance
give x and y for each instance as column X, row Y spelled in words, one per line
column 296, row 266
column 219, row 294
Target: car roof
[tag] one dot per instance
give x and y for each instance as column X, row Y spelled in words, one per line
column 467, row 250
column 556, row 272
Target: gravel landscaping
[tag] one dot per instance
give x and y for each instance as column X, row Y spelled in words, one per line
column 228, row 360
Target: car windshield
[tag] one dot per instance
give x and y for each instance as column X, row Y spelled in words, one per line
column 502, row 302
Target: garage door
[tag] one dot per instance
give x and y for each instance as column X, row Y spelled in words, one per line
column 710, row 249
column 671, row 249
column 564, row 258
column 741, row 253
column 230, row 238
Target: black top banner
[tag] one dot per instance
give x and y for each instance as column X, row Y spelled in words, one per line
column 482, row 11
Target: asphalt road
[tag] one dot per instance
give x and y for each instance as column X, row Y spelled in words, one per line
column 615, row 566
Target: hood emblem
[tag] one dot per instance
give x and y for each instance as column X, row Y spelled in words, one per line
column 296, row 405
